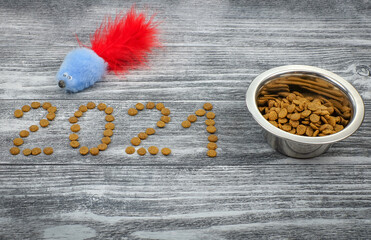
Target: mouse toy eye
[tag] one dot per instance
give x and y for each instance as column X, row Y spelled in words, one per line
column 65, row 74
column 69, row 78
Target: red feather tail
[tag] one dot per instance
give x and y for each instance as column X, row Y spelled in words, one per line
column 125, row 42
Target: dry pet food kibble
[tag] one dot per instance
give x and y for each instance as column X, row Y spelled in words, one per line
column 211, row 153
column 33, row 128
column 44, row 123
column 35, row 105
column 106, row 140
column 74, row 144
column 166, row 151
column 26, row 108
column 18, row 113
column 109, row 110
column 48, row 150
column 46, row 105
column 94, row 151
column 200, row 112
column 101, row 106
column 75, row 128
column 24, row 133
column 130, row 150
column 186, row 124
column 15, row 150
column 150, row 131
column 153, row 150
column 73, row 137
column 192, row 118
column 165, row 111
column 18, row 141
column 110, row 126
column 78, row 114
column 314, row 108
column 83, row 108
column 73, row 120
column 27, row 152
column 90, row 105
column 132, row 111
column 139, row 106
column 160, row 106
column 135, row 141
column 142, row 151
column 84, row 150
column 142, row 135
column 213, row 138
column 110, row 118
column 165, row 119
column 36, row 151
column 102, row 147
column 150, row 105
column 208, row 106
column 160, row 124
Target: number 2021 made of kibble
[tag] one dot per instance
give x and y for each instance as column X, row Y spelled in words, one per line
column 206, row 111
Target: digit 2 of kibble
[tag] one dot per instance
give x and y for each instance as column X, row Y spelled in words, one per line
column 33, row 128
column 109, row 127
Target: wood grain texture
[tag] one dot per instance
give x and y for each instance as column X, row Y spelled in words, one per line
column 212, row 50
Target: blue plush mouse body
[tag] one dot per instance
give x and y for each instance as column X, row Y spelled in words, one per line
column 80, row 69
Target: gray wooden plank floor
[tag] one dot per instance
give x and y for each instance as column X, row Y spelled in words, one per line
column 212, row 50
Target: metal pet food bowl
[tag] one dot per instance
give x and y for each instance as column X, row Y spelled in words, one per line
column 299, row 146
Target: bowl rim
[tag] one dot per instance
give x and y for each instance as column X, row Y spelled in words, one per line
column 351, row 92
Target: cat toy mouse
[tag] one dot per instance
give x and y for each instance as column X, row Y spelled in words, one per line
column 117, row 45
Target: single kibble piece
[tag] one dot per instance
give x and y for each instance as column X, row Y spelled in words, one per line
column 132, row 111
column 130, row 150
column 160, row 106
column 211, row 153
column 18, row 113
column 110, row 118
column 36, row 151
column 101, row 106
column 73, row 119
column 78, row 114
column 135, row 141
column 50, row 116
column 165, row 119
column 208, row 106
column 142, row 151
column 74, row 144
column 83, row 108
column 210, row 115
column 139, row 106
column 18, row 141
column 166, row 151
column 26, row 108
column 165, row 111
column 90, row 105
column 295, row 116
column 142, row 135
column 153, row 150
column 314, row 118
column 106, row 140
column 102, row 146
column 33, row 128
column 272, row 116
column 15, row 150
column 108, row 133
column 301, row 129
column 94, row 151
column 24, row 133
column 110, row 126
column 282, row 113
column 200, row 112
column 186, row 124
column 109, row 110
column 46, row 105
column 84, row 150
column 35, row 105
column 211, row 129
column 75, row 128
column 213, row 138
column 27, row 152
column 48, row 150
column 192, row 118
column 209, row 122
column 73, row 137
column 212, row 146
column 286, row 127
column 52, row 109
column 160, row 124
column 44, row 123
column 150, row 131
column 150, row 105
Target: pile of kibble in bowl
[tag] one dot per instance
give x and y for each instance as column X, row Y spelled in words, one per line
column 307, row 106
